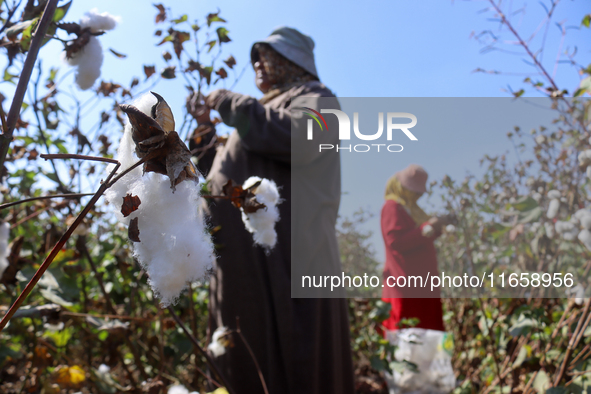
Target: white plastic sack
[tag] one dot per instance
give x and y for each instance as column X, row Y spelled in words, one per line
column 431, row 352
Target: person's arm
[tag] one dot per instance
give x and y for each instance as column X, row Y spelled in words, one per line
column 268, row 131
column 400, row 233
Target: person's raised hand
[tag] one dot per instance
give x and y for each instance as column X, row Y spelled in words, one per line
column 214, row 98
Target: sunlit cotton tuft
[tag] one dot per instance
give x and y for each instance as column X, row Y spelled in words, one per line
column 179, row 389
column 262, row 222
column 89, row 59
column 216, row 347
column 4, row 233
column 174, row 247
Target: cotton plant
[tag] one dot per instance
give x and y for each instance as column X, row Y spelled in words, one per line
column 168, row 231
column 180, row 389
column 262, row 222
column 86, row 53
column 219, row 341
column 4, row 234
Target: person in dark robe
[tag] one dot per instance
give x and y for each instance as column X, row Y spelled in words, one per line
column 301, row 344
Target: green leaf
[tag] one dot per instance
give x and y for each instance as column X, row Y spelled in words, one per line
column 530, row 216
column 381, row 312
column 525, row 204
column 211, row 45
column 182, row 19
column 214, row 18
column 378, row 363
column 9, row 77
column 223, row 34
column 60, row 338
column 586, row 20
column 61, row 12
column 584, row 87
column 13, row 31
column 522, row 325
column 520, row 357
column 27, row 35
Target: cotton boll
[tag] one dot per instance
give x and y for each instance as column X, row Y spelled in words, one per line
column 174, row 247
column 4, row 233
column 586, row 222
column 554, row 194
column 262, row 222
column 536, row 196
column 179, row 389
column 535, row 227
column 585, row 238
column 89, row 60
column 98, row 22
column 553, row 209
column 217, row 345
column 585, row 158
column 104, row 369
column 549, row 230
column 540, row 139
column 564, row 227
column 450, row 228
column 569, row 236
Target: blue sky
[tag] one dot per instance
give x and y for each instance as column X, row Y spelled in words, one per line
column 394, row 48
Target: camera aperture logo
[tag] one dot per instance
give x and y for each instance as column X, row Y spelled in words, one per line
column 345, row 130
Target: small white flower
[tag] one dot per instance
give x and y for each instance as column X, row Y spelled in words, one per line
column 217, row 347
column 553, row 209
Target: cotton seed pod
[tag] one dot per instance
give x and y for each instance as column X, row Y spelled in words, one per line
column 585, row 158
column 553, row 209
column 162, row 113
column 553, row 194
column 585, row 238
column 549, row 230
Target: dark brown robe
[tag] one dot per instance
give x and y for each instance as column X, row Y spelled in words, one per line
column 301, row 344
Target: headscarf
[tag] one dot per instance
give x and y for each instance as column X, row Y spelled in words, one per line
column 407, row 198
column 283, row 74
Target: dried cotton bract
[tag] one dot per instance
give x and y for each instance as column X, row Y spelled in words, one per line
column 262, row 222
column 89, row 58
column 174, row 247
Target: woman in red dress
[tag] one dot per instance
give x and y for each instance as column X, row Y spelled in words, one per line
column 409, row 234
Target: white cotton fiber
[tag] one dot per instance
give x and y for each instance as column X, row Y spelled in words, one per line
column 4, row 233
column 174, row 246
column 585, row 238
column 98, row 22
column 549, row 230
column 553, row 194
column 89, row 59
column 262, row 222
column 585, row 158
column 179, row 389
column 553, row 209
column 588, row 172
column 216, row 347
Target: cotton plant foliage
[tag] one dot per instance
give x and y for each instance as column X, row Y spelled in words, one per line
column 262, row 222
column 174, row 247
column 89, row 58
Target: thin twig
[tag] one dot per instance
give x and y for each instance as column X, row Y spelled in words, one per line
column 69, row 195
column 19, row 94
column 81, row 157
column 256, row 364
column 56, row 249
column 195, row 342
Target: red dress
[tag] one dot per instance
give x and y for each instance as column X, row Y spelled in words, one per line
column 409, row 253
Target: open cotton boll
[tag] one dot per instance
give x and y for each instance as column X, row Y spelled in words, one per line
column 585, row 158
column 4, row 233
column 564, row 227
column 586, row 222
column 216, row 347
column 88, row 61
column 179, row 389
column 553, row 194
column 553, row 209
column 98, row 22
column 262, row 222
column 585, row 238
column 174, row 246
column 549, row 230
